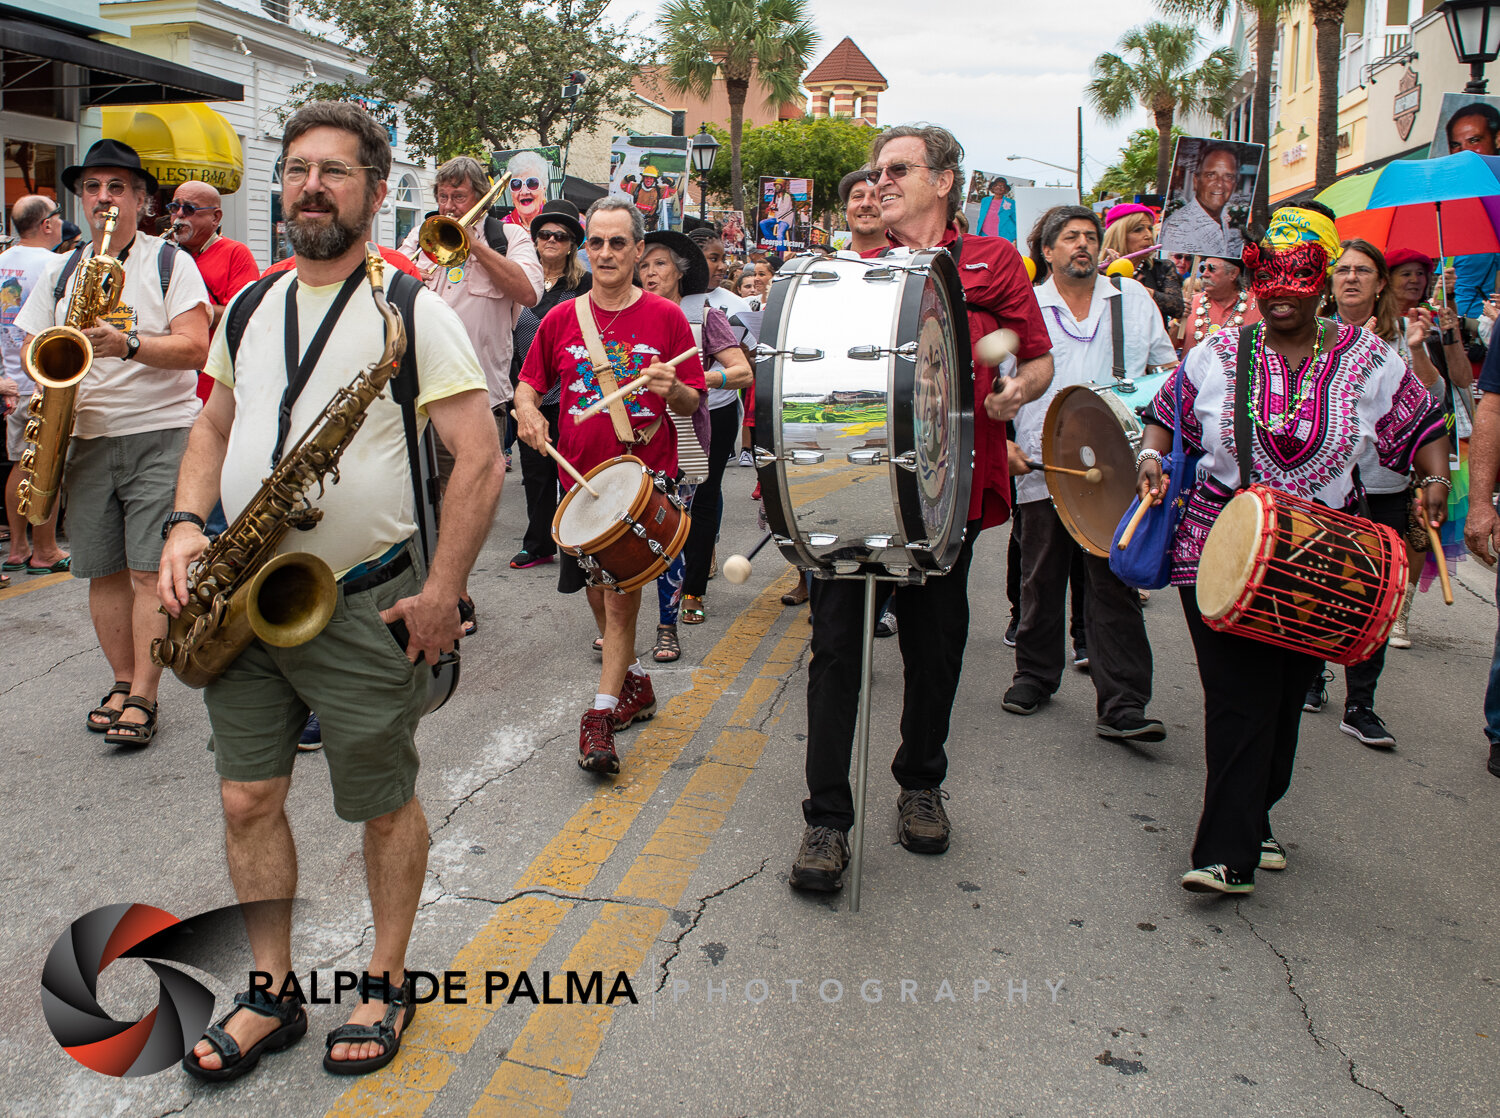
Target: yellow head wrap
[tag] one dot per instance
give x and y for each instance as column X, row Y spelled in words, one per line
column 1291, row 226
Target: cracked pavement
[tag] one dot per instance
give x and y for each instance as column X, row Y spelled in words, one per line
column 1048, row 964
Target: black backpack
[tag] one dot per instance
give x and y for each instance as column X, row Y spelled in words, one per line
column 421, row 453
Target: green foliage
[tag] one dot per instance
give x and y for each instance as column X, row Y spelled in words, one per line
column 773, row 39
column 823, row 150
column 478, row 76
column 1135, row 171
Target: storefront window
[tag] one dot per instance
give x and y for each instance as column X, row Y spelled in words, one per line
column 30, row 168
column 408, row 207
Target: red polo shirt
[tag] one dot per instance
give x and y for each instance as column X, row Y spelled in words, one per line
column 998, row 294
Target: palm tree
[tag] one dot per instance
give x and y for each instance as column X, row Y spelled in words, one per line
column 1158, row 74
column 1267, row 15
column 771, row 40
column 1328, row 18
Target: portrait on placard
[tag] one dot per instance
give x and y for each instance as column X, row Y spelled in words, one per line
column 1467, row 122
column 991, row 204
column 649, row 170
column 1209, row 197
column 783, row 214
column 531, row 180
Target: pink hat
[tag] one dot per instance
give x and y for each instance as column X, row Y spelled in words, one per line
column 1125, row 209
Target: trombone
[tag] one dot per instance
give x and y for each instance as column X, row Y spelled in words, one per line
column 445, row 239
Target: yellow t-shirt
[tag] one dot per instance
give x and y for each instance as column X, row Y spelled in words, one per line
column 370, row 508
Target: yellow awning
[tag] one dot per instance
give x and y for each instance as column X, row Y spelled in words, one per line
column 180, row 143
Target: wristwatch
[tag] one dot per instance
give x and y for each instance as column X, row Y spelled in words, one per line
column 180, row 517
column 132, row 344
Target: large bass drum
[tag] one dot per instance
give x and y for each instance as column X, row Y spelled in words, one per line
column 864, row 414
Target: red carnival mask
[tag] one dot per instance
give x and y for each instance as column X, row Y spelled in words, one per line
column 1294, row 272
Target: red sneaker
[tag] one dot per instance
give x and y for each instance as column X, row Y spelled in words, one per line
column 596, row 743
column 637, row 701
column 755, row 493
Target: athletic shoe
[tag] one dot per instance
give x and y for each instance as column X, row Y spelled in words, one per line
column 1024, row 698
column 312, row 734
column 922, row 825
column 523, row 559
column 1218, row 879
column 1132, row 727
column 820, row 860
column 1317, row 693
column 1363, row 724
column 1494, row 762
column 1398, row 637
column 1272, row 855
column 1081, row 657
column 886, row 626
column 1010, row 631
column 746, row 458
column 637, row 701
column 596, row 742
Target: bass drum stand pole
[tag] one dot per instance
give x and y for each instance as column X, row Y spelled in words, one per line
column 862, row 743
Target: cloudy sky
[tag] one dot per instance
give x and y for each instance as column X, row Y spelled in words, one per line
column 1007, row 77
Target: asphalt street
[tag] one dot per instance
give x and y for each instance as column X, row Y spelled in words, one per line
column 1047, row 964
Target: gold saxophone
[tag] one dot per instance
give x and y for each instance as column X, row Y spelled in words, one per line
column 240, row 589
column 57, row 359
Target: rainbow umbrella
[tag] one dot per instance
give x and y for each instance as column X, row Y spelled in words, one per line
column 1432, row 206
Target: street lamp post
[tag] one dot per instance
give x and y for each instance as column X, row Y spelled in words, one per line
column 1474, row 27
column 1044, row 163
column 705, row 150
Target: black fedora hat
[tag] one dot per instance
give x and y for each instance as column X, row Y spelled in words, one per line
column 696, row 280
column 560, row 212
column 109, row 153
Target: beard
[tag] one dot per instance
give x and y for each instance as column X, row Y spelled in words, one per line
column 317, row 240
column 1079, row 269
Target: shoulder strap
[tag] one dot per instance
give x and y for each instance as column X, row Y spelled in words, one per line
column 67, row 270
column 1242, row 402
column 165, row 259
column 1117, row 327
column 421, row 454
column 244, row 307
column 583, row 308
column 494, row 233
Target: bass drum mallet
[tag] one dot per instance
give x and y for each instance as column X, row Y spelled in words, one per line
column 737, row 567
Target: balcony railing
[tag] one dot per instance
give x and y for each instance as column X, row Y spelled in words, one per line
column 1364, row 51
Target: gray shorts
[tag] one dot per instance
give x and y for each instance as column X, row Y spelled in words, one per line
column 119, row 490
column 15, row 429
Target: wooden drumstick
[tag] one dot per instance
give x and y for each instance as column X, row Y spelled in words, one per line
column 626, row 389
column 1140, row 513
column 1442, row 561
column 1093, row 475
column 567, row 466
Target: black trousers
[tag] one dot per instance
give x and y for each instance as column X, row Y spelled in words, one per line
column 1252, row 707
column 1115, row 631
column 539, row 479
column 1392, row 510
column 708, row 500
column 1076, row 576
column 932, row 627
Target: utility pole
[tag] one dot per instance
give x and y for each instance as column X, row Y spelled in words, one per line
column 1080, row 153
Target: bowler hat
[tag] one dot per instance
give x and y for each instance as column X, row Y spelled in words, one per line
column 109, row 153
column 696, row 280
column 560, row 212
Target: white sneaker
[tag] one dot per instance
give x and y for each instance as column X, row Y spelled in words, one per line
column 746, row 458
column 1398, row 637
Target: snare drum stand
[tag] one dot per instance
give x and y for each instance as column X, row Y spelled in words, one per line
column 862, row 743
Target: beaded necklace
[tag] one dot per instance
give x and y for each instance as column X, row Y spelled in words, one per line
column 1305, row 379
column 1203, row 324
column 1062, row 324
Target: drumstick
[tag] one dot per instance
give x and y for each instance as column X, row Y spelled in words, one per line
column 626, row 389
column 567, row 466
column 1093, row 475
column 1146, row 502
column 737, row 567
column 1442, row 562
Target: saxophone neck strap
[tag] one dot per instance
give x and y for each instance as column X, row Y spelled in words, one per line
column 299, row 370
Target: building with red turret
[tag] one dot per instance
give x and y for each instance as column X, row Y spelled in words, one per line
column 845, row 83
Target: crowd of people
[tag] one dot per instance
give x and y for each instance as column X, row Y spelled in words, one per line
column 1359, row 388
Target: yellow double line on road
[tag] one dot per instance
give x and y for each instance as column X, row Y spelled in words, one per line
column 556, row 1045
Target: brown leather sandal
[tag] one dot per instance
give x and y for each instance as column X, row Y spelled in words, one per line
column 134, row 733
column 104, row 710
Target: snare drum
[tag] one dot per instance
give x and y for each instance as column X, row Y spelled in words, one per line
column 1088, row 426
column 1278, row 569
column 627, row 535
column 864, row 414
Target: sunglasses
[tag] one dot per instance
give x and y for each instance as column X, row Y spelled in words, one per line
column 187, row 209
column 115, row 188
column 616, row 244
column 555, row 235
column 895, row 170
column 529, row 183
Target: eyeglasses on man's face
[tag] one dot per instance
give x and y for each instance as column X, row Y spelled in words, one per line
column 115, row 188
column 896, row 170
column 616, row 244
column 331, row 172
column 187, row 209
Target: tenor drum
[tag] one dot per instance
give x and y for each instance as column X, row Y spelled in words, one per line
column 1090, row 426
column 1278, row 569
column 627, row 535
column 864, row 414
